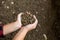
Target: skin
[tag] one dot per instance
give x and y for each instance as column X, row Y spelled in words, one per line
column 11, row 27
column 24, row 30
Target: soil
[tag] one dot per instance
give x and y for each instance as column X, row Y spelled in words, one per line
column 27, row 19
column 46, row 15
column 56, row 25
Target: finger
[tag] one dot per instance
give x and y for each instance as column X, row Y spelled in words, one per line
column 36, row 21
column 34, row 17
column 19, row 17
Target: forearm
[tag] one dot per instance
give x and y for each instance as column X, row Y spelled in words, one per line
column 10, row 28
column 21, row 34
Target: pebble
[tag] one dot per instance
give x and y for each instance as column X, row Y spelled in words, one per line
column 28, row 13
column 29, row 36
column 36, row 12
column 7, row 7
column 31, row 15
column 39, row 25
column 36, row 30
column 13, row 12
column 44, row 17
column 42, row 9
column 12, row 2
column 3, row 2
column 45, row 36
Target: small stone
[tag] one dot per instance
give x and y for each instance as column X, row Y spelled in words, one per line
column 42, row 9
column 12, row 2
column 13, row 12
column 36, row 12
column 45, row 36
column 29, row 36
column 28, row 12
column 31, row 15
column 39, row 25
column 3, row 2
column 36, row 30
column 7, row 7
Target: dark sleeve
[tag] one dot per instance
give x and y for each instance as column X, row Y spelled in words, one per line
column 1, row 30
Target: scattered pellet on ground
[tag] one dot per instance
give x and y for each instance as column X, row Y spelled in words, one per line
column 36, row 12
column 3, row 2
column 42, row 9
column 7, row 7
column 12, row 2
column 45, row 36
column 13, row 12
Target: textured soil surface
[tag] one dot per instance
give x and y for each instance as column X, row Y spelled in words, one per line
column 46, row 15
column 56, row 25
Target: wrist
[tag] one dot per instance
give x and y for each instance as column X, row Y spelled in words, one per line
column 25, row 29
column 18, row 24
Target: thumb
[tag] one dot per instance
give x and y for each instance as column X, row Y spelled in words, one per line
column 36, row 21
column 19, row 17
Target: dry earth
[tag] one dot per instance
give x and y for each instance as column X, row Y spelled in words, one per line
column 9, row 9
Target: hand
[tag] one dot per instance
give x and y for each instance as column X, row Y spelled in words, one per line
column 19, row 24
column 33, row 25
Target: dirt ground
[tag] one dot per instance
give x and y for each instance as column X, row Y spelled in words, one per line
column 9, row 9
column 57, row 21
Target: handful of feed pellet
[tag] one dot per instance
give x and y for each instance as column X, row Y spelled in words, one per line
column 27, row 18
